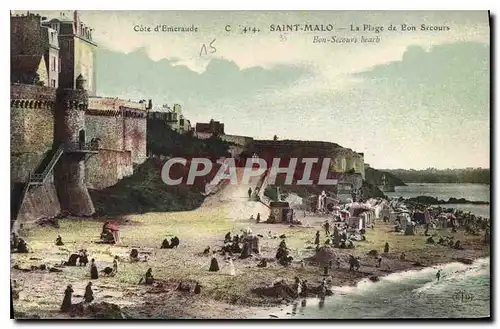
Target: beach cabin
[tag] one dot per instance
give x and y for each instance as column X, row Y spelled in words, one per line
column 404, row 221
column 355, row 223
column 279, row 211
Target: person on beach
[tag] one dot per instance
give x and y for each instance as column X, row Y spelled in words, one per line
column 66, row 304
column 115, row 265
column 88, row 297
column 214, row 265
column 386, row 248
column 227, row 237
column 93, row 270
column 22, row 246
column 59, row 241
column 379, row 261
column 327, row 227
column 197, row 288
column 148, row 277
column 232, row 270
column 165, row 244
column 249, row 193
column 298, row 286
column 14, row 241
column 134, row 255
column 316, row 240
column 438, row 275
column 83, row 257
column 304, row 288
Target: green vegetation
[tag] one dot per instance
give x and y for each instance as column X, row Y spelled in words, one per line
column 144, row 191
column 432, row 175
column 162, row 140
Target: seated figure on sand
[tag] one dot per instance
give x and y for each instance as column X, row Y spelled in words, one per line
column 214, row 265
column 165, row 244
column 174, row 242
column 148, row 277
column 227, row 237
column 14, row 241
column 59, row 241
column 134, row 255
column 83, row 257
column 73, row 258
column 22, row 246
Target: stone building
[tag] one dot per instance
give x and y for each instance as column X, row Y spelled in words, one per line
column 205, row 130
column 31, row 44
column 64, row 138
column 173, row 117
column 77, row 50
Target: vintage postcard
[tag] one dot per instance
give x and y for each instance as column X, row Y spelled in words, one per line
column 250, row 164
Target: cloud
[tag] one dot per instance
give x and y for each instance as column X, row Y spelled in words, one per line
column 137, row 75
column 431, row 108
column 453, row 75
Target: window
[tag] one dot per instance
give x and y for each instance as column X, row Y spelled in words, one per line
column 54, row 66
column 59, row 66
column 52, row 83
column 55, row 26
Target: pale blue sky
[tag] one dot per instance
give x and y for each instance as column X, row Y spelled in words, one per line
column 414, row 100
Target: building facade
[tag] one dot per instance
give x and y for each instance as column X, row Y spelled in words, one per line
column 64, row 138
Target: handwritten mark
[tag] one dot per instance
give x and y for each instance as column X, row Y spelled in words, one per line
column 463, row 296
column 203, row 50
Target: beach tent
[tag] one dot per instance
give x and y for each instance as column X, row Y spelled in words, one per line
column 404, row 221
column 355, row 223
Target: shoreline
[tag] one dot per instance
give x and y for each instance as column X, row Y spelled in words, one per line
column 281, row 313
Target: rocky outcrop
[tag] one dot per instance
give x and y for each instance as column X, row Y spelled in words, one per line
column 374, row 177
column 429, row 200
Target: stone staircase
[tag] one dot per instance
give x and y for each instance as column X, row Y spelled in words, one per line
column 38, row 178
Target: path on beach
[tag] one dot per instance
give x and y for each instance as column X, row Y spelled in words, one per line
column 233, row 198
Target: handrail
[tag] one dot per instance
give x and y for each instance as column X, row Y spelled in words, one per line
column 53, row 161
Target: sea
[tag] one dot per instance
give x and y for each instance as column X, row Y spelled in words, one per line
column 472, row 192
column 463, row 291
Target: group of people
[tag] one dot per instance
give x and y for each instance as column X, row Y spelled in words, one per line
column 337, row 239
column 18, row 244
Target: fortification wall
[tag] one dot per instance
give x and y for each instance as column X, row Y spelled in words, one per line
column 238, row 140
column 41, row 200
column 107, row 167
column 120, row 124
column 103, row 103
column 32, row 127
column 135, row 137
column 108, row 128
column 22, row 164
column 110, row 103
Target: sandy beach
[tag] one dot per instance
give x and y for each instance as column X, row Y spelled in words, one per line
column 222, row 295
